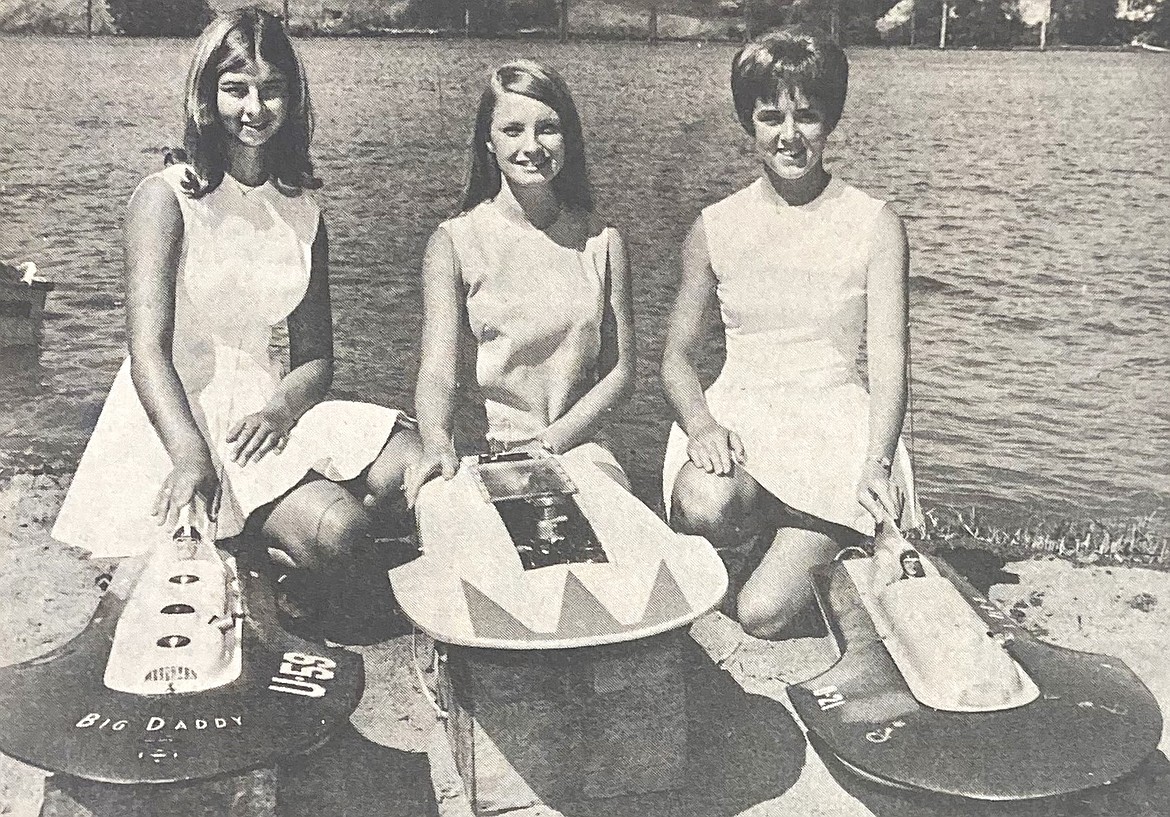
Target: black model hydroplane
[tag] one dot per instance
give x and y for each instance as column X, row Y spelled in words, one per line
column 182, row 673
column 937, row 689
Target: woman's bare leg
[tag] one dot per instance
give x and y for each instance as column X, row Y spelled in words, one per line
column 728, row 510
column 779, row 589
column 732, row 513
column 322, row 529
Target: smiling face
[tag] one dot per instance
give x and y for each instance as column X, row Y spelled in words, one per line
column 790, row 135
column 252, row 101
column 527, row 139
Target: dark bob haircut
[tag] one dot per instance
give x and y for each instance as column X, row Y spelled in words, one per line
column 234, row 40
column 530, row 79
column 787, row 59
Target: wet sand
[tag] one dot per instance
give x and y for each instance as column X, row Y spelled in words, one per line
column 749, row 757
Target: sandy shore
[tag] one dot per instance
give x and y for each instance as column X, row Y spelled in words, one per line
column 752, row 759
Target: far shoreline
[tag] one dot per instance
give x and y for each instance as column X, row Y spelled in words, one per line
column 586, row 38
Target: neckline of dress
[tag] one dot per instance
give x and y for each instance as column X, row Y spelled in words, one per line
column 528, row 229
column 522, row 225
column 246, row 190
column 829, row 193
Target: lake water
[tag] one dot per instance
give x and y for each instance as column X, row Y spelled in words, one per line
column 1035, row 186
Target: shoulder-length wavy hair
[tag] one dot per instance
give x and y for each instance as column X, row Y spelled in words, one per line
column 232, row 41
column 532, row 80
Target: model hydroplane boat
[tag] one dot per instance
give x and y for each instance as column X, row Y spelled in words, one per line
column 937, row 689
column 182, row 673
column 548, row 552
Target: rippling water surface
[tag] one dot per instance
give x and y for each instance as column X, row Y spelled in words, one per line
column 1036, row 189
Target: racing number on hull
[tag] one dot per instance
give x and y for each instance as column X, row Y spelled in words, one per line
column 828, row 697
column 299, row 673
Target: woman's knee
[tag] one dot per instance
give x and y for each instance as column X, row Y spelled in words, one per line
column 386, row 473
column 343, row 530
column 316, row 527
column 706, row 505
column 756, row 615
column 384, row 478
column 764, row 615
column 779, row 591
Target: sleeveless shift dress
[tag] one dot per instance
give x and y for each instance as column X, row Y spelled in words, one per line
column 535, row 309
column 244, row 268
column 791, row 284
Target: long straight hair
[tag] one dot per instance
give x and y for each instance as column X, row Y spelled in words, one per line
column 530, row 79
column 232, row 41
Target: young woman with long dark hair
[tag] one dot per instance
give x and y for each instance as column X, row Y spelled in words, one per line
column 218, row 251
column 536, row 276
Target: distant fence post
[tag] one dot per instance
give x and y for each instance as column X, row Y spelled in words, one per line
column 942, row 29
column 564, row 21
column 88, row 18
column 653, row 25
column 286, row 20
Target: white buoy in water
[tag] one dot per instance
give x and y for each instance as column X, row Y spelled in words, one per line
column 22, row 304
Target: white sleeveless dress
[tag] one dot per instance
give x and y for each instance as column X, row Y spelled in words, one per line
column 791, row 285
column 535, row 309
column 244, row 269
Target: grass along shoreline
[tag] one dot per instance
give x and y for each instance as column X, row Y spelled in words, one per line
column 1136, row 542
column 1140, row 542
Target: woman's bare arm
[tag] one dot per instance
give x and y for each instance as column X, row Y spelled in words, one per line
column 711, row 446
column 617, row 383
column 887, row 342
column 153, row 242
column 435, row 389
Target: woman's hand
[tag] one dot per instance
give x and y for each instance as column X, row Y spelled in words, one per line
column 193, row 477
column 877, row 493
column 260, row 433
column 433, row 461
column 714, row 448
